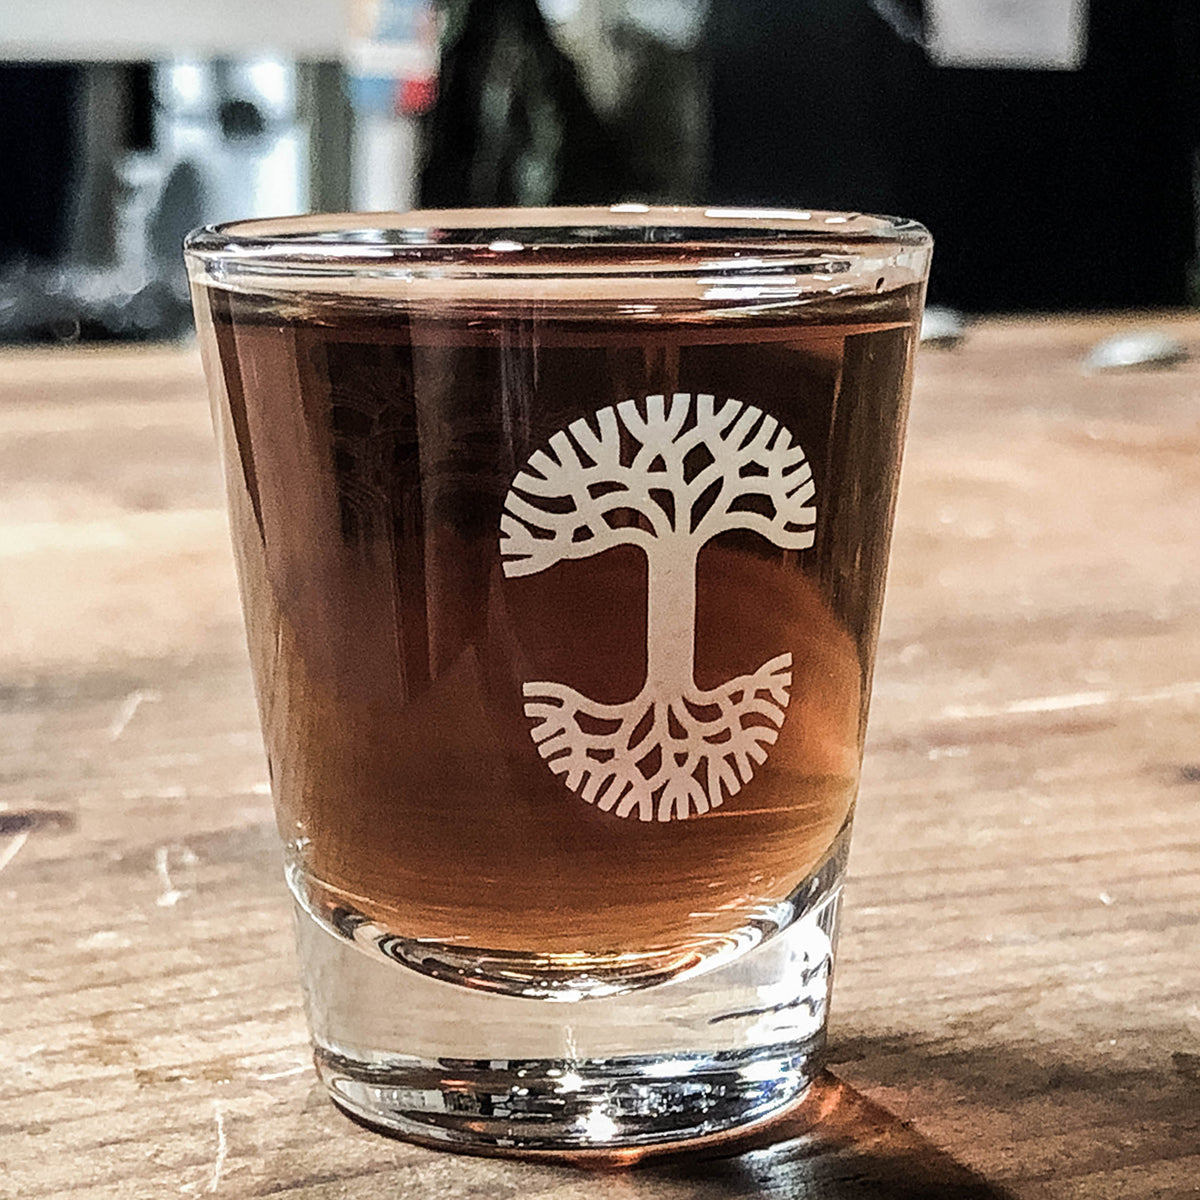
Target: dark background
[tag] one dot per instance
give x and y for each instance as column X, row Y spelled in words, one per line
column 1044, row 189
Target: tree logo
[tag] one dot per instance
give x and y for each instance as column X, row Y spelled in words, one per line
column 667, row 478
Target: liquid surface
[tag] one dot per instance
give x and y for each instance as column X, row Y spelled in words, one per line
column 371, row 454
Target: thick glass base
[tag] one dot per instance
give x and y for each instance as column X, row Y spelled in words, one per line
column 439, row 1062
column 564, row 1105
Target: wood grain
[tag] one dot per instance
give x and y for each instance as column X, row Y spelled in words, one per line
column 1017, row 1011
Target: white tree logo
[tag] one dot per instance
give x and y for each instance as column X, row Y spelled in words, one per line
column 667, row 478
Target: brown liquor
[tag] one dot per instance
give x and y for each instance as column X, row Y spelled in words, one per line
column 371, row 452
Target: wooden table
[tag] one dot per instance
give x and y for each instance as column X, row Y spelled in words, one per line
column 1017, row 1011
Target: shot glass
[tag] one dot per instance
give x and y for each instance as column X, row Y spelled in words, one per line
column 561, row 537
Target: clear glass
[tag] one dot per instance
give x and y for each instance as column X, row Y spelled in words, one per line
column 562, row 538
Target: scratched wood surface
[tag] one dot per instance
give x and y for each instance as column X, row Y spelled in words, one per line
column 1017, row 1012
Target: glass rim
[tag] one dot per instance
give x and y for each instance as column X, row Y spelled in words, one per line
column 518, row 241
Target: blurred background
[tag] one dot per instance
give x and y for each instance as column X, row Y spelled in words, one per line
column 1051, row 145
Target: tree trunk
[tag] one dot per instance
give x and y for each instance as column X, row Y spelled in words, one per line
column 671, row 618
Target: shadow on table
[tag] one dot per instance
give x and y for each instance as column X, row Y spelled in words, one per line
column 836, row 1145
column 839, row 1145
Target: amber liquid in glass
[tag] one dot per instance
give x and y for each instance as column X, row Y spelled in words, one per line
column 370, row 451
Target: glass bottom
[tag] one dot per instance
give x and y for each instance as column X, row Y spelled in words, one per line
column 570, row 1104
column 471, row 1069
